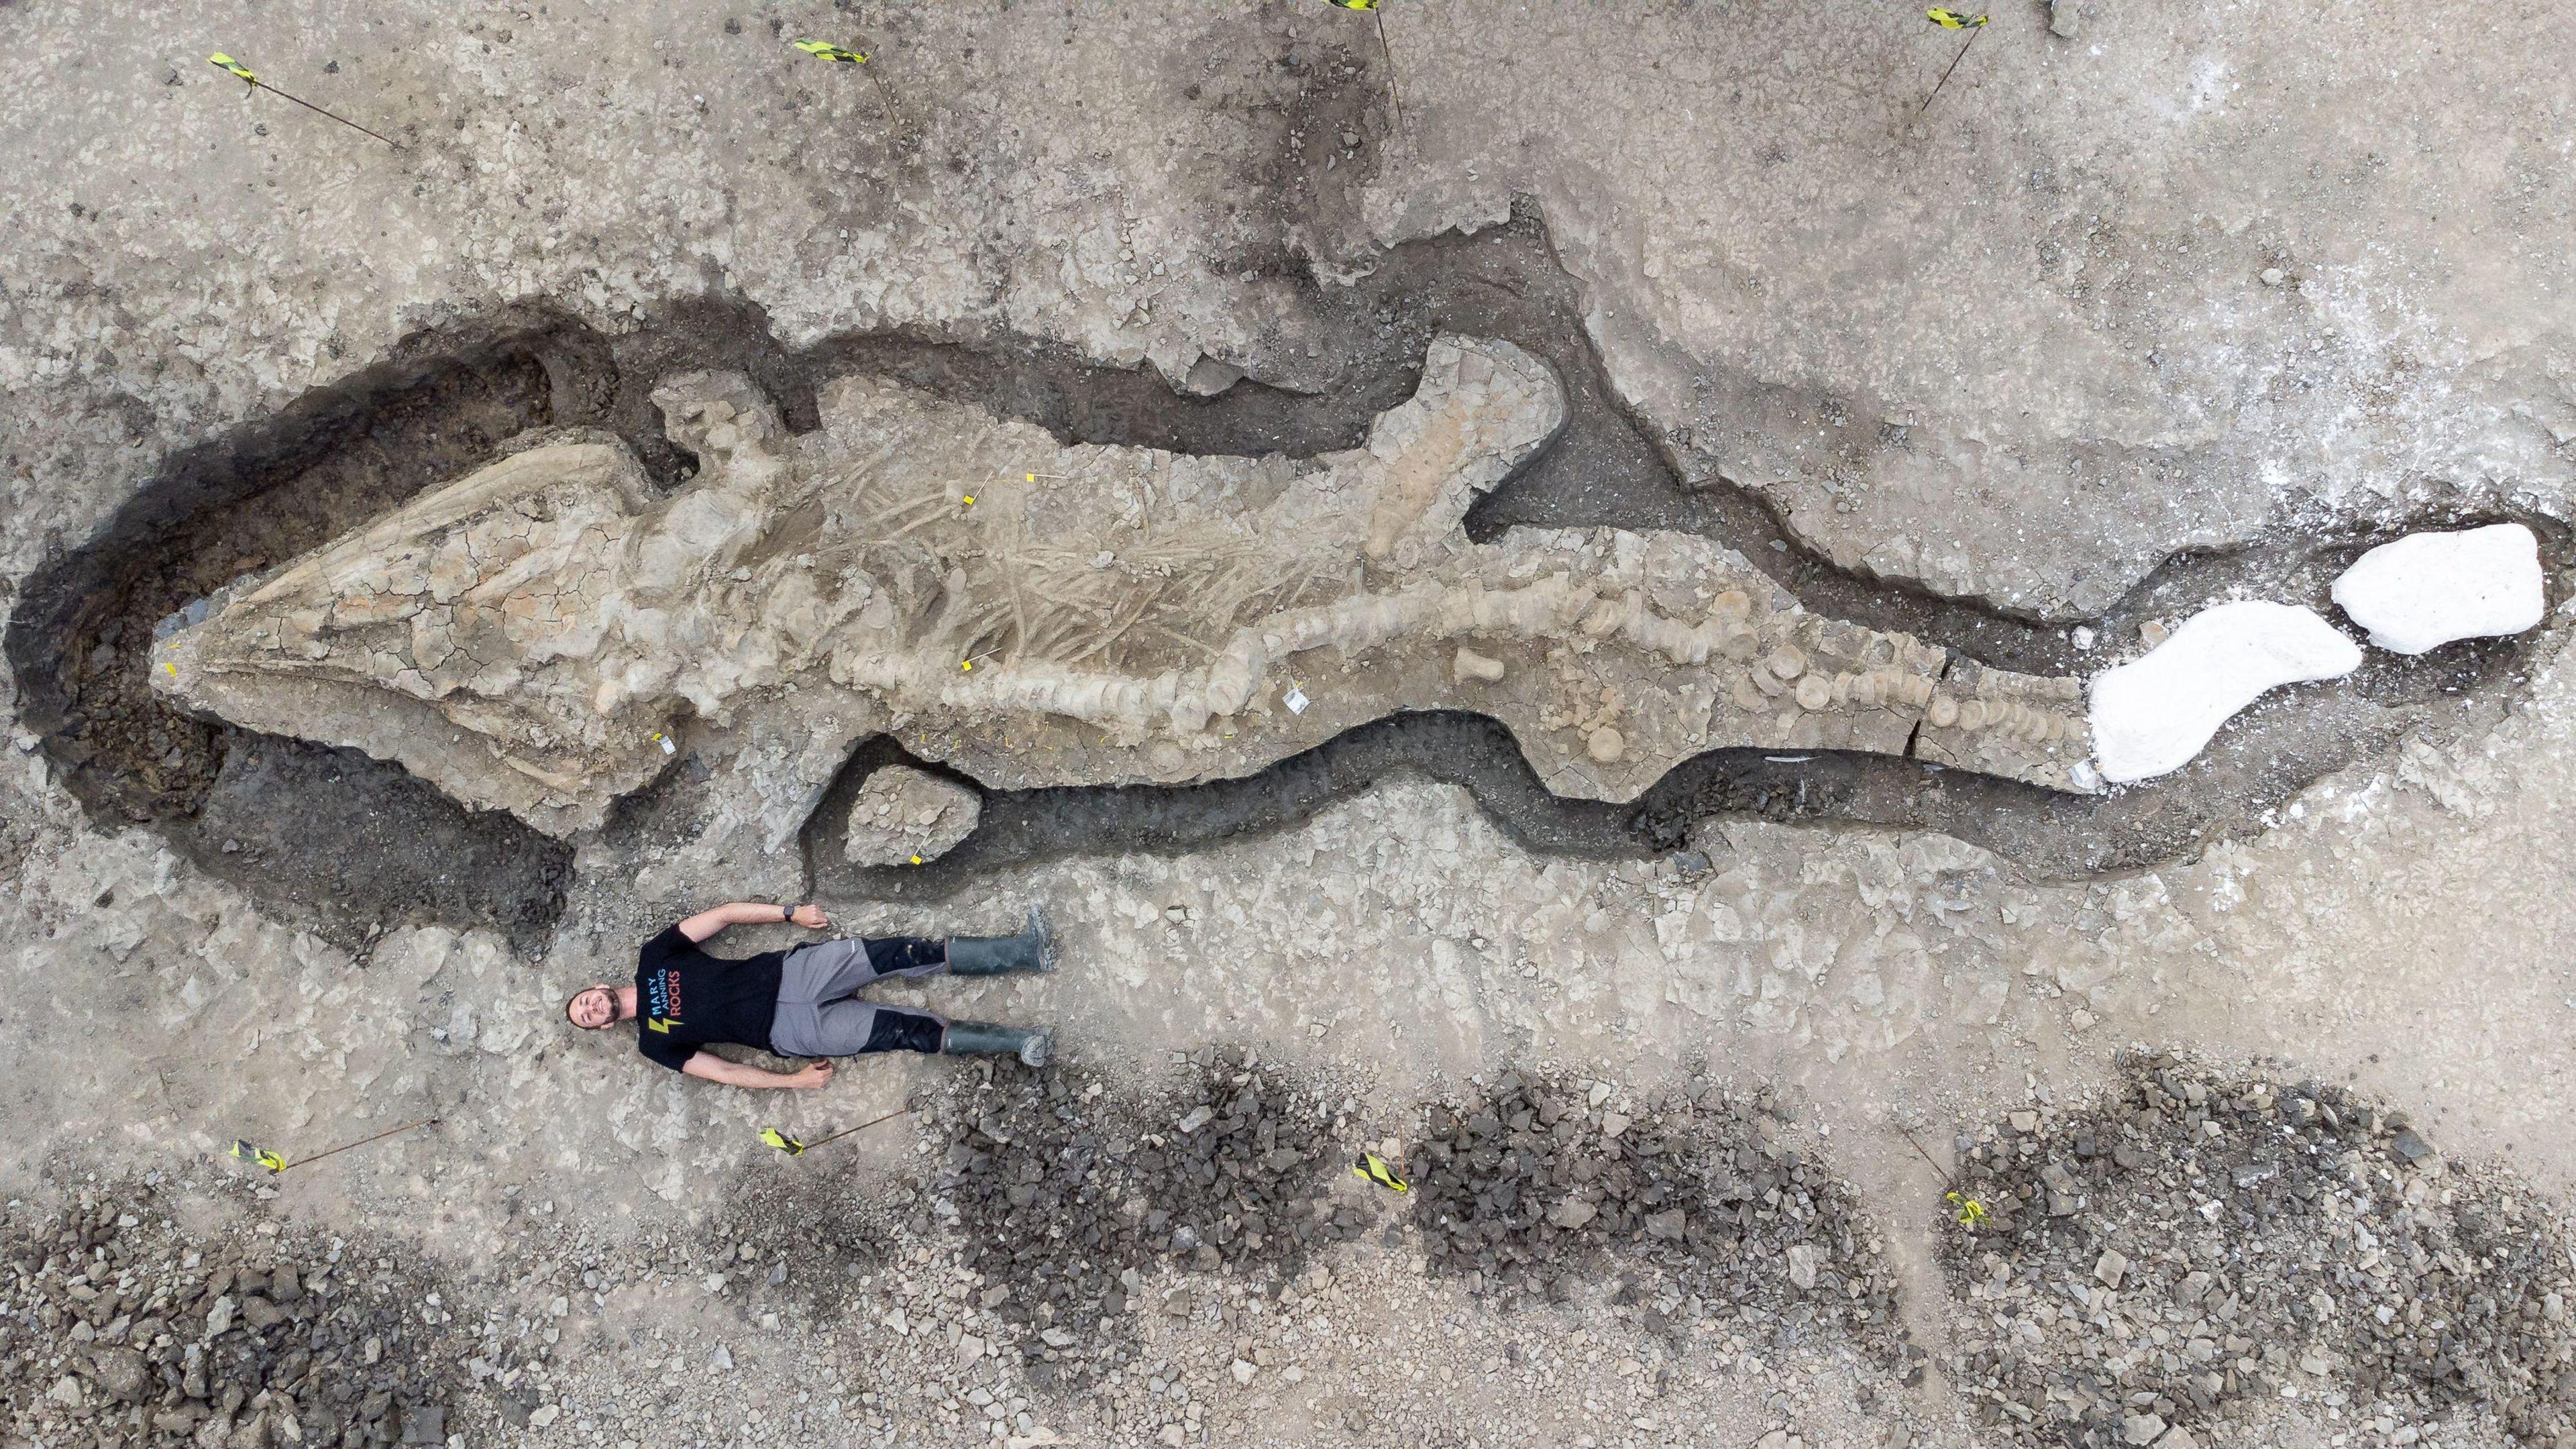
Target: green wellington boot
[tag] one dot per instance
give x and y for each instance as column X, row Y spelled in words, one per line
column 1031, row 950
column 969, row 1038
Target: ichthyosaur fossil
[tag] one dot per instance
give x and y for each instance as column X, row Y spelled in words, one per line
column 535, row 637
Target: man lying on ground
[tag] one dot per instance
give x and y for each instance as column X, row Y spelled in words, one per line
column 802, row 1002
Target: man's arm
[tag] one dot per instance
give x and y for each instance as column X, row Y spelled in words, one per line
column 734, row 1074
column 750, row 913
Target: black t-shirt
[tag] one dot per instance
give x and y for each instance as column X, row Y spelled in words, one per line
column 685, row 998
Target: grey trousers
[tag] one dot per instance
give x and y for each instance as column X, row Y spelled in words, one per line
column 818, row 1015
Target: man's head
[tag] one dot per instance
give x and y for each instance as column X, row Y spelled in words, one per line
column 592, row 1007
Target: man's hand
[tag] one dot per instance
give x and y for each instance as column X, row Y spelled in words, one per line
column 811, row 917
column 714, row 1068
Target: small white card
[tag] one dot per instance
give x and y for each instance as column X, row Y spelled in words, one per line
column 1296, row 700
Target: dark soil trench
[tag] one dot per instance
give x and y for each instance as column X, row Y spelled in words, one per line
column 353, row 845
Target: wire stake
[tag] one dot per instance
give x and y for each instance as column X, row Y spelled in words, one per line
column 225, row 62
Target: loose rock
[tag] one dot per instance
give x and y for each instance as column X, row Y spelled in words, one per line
column 904, row 816
column 2241, row 1238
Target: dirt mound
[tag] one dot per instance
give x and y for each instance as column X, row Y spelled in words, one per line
column 2162, row 1262
column 1067, row 1193
column 122, row 1326
column 1541, row 1186
column 808, row 1231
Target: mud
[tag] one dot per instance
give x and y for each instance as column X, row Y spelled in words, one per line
column 452, row 398
column 391, row 843
column 2244, row 775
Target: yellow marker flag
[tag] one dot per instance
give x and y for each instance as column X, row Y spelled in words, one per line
column 1372, row 1166
column 259, row 1155
column 822, row 51
column 244, row 72
column 1952, row 19
column 780, row 1140
column 1970, row 1212
column 1355, row 4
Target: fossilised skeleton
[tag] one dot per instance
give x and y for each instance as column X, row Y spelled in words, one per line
column 529, row 637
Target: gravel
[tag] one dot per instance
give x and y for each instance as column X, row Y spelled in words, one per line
column 2162, row 1265
column 1543, row 1187
column 117, row 1325
column 1074, row 1193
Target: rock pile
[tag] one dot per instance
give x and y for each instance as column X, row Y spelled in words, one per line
column 1056, row 1192
column 2164, row 1262
column 116, row 1326
column 1538, row 1186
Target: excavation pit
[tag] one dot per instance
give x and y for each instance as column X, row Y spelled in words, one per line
column 457, row 397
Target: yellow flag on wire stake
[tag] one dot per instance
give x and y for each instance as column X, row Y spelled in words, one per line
column 842, row 54
column 1395, row 101
column 793, row 1147
column 1975, row 25
column 822, row 50
column 1374, row 1168
column 276, row 1162
column 251, row 79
